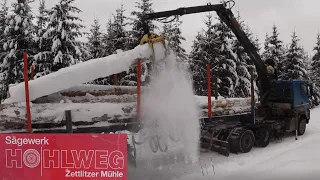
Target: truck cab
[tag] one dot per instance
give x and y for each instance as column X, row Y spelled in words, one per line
column 288, row 97
column 291, row 94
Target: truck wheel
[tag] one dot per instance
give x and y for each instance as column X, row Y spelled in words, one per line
column 246, row 141
column 302, row 126
column 262, row 138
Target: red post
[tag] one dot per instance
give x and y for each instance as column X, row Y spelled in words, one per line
column 209, row 91
column 26, row 85
column 139, row 89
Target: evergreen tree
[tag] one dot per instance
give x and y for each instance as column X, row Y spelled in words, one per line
column 274, row 49
column 115, row 39
column 3, row 14
column 226, row 66
column 84, row 50
column 204, row 52
column 95, row 40
column 144, row 7
column 198, row 65
column 244, row 63
column 172, row 34
column 315, row 63
column 43, row 58
column 42, row 18
column 119, row 39
column 295, row 67
column 214, row 46
column 135, row 35
column 108, row 38
column 18, row 32
column 119, row 36
column 63, row 30
column 315, row 73
column 108, row 50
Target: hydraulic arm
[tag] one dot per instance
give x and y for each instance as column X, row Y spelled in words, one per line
column 228, row 18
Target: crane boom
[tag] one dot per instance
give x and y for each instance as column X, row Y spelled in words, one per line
column 228, row 18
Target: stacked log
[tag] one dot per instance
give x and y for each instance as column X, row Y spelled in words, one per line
column 95, row 107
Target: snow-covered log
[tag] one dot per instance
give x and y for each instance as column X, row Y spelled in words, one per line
column 46, row 116
column 99, row 90
column 83, row 72
column 98, row 111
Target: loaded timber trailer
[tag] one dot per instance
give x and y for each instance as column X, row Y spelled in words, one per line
column 283, row 105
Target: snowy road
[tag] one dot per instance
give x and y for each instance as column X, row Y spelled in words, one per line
column 281, row 160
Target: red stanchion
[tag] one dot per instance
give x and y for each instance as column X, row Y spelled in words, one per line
column 138, row 89
column 26, row 84
column 115, row 78
column 209, row 91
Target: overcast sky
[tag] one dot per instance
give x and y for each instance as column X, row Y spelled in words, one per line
column 300, row 15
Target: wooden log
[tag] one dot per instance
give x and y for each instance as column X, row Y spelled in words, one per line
column 45, row 118
column 99, row 90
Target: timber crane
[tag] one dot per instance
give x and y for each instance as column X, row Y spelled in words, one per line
column 226, row 15
column 284, row 105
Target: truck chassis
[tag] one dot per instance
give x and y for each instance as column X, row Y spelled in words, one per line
column 238, row 133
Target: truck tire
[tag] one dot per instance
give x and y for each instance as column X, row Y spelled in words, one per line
column 263, row 138
column 246, row 141
column 302, row 126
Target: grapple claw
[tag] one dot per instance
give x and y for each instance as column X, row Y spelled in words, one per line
column 151, row 39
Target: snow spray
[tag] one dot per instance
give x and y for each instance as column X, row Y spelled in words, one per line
column 169, row 109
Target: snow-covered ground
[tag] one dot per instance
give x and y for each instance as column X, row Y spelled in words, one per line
column 286, row 159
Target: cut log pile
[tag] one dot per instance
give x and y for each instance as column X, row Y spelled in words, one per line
column 96, row 106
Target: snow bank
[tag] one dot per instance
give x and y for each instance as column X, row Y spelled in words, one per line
column 82, row 73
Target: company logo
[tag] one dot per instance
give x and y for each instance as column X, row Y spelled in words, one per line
column 63, row 156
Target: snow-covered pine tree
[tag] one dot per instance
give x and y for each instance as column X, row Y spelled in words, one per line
column 295, row 67
column 198, row 65
column 203, row 52
column 243, row 62
column 226, row 66
column 95, row 38
column 315, row 73
column 274, row 49
column 18, row 32
column 315, row 63
column 172, row 34
column 120, row 35
column 63, row 30
column 42, row 18
column 108, row 49
column 135, row 35
column 315, row 97
column 84, row 50
column 43, row 60
column 119, row 39
column 3, row 14
column 115, row 39
column 108, row 38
